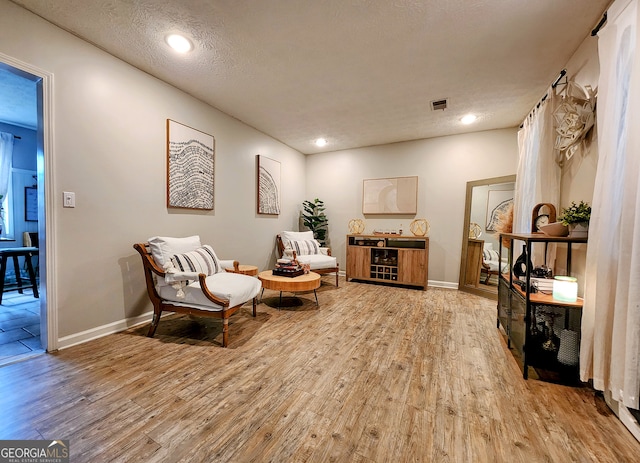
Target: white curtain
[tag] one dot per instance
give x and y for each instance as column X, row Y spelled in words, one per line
column 538, row 176
column 610, row 345
column 6, row 156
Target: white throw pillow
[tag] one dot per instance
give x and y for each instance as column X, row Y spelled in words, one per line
column 306, row 247
column 163, row 247
column 202, row 260
column 490, row 255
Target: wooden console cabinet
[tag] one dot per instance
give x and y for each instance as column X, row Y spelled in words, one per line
column 392, row 259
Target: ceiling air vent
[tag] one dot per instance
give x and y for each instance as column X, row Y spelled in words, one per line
column 439, row 104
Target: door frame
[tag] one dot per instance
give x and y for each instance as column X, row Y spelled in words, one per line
column 46, row 189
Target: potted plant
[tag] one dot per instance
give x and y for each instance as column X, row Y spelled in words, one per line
column 315, row 219
column 577, row 217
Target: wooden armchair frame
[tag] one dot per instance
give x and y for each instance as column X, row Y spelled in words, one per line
column 160, row 305
column 485, row 269
column 321, row 271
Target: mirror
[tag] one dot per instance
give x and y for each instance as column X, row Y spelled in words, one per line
column 485, row 198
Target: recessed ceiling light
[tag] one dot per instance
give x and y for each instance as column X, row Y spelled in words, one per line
column 179, row 43
column 468, row 119
column 321, row 142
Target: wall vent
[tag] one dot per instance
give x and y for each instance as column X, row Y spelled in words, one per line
column 439, row 104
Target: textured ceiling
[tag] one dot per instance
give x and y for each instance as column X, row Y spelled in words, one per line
column 18, row 105
column 357, row 72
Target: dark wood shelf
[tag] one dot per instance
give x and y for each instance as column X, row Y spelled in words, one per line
column 542, row 298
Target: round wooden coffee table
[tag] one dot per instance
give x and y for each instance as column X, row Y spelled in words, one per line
column 307, row 282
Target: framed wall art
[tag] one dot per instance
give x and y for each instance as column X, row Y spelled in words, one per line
column 395, row 195
column 30, row 204
column 498, row 201
column 190, row 167
column 268, row 186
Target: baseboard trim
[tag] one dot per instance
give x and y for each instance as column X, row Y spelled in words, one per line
column 104, row 330
column 630, row 422
column 443, row 284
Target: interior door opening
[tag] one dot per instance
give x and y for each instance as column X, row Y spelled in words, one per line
column 23, row 307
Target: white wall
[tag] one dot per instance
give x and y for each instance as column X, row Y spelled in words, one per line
column 578, row 173
column 443, row 166
column 109, row 148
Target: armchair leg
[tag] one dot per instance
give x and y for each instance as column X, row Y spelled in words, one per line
column 254, row 306
column 225, row 330
column 154, row 323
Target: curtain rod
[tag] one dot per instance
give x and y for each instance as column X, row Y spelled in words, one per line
column 595, row 31
column 559, row 78
column 14, row 135
column 553, row 85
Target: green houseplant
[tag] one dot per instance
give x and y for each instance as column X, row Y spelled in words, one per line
column 314, row 219
column 577, row 217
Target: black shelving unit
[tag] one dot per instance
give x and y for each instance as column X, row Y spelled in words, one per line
column 542, row 332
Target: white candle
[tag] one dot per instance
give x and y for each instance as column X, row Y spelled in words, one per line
column 565, row 289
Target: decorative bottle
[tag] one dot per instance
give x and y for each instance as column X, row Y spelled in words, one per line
column 522, row 263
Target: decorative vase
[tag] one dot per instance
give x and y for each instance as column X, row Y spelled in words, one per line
column 579, row 230
column 522, row 263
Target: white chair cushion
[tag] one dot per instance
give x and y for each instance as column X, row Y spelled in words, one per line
column 289, row 236
column 318, row 261
column 235, row 287
column 163, row 247
column 493, row 265
column 491, row 257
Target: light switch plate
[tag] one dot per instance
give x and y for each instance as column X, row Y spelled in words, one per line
column 69, row 199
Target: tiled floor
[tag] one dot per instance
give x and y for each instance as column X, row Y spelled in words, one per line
column 19, row 326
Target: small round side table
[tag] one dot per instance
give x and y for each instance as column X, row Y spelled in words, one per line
column 250, row 270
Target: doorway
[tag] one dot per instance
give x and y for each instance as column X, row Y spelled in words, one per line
column 24, row 316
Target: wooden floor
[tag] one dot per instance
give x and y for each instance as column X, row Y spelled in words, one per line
column 375, row 374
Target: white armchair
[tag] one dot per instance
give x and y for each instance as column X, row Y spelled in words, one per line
column 307, row 251
column 184, row 276
column 491, row 262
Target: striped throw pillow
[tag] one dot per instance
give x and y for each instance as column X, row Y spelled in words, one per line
column 490, row 254
column 202, row 260
column 306, row 247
